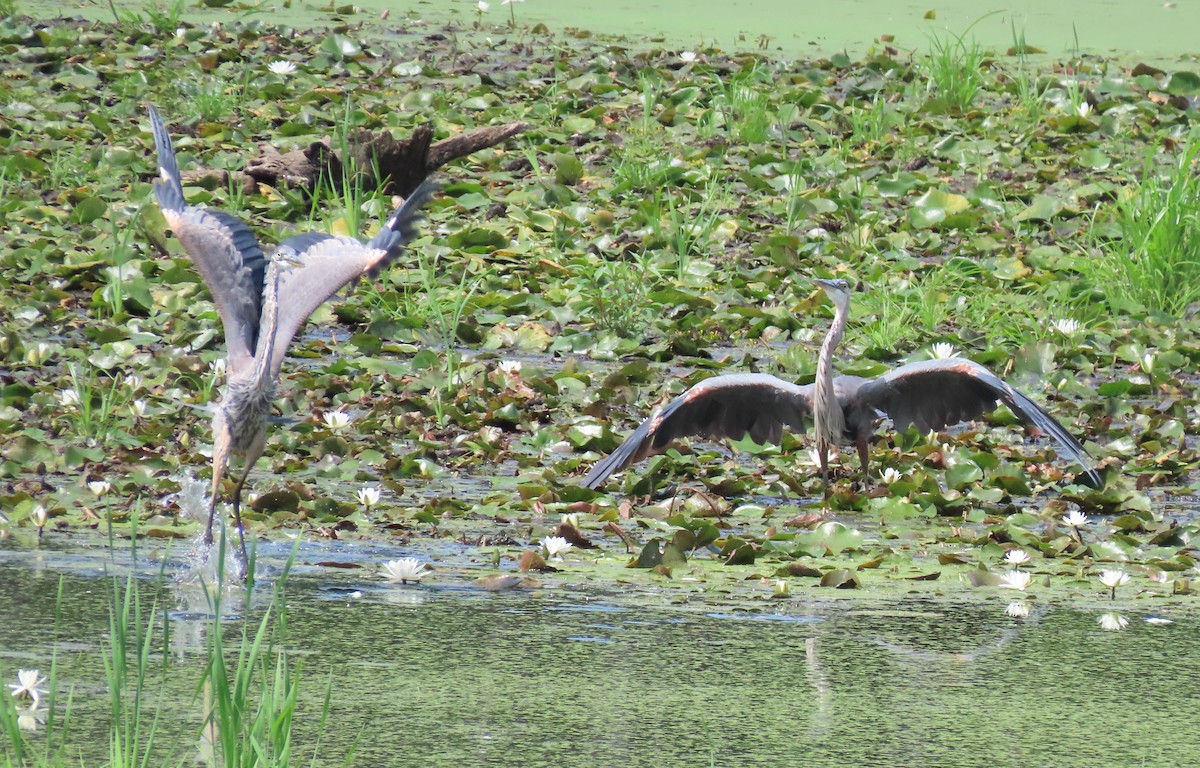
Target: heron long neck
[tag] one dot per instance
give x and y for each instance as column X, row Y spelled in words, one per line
column 829, row 422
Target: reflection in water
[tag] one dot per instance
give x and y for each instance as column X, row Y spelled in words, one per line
column 435, row 675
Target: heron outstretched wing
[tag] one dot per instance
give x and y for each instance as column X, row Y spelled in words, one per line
column 932, row 394
column 223, row 249
column 730, row 406
column 326, row 263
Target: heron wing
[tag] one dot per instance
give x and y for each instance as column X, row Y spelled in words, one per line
column 222, row 247
column 326, row 263
column 932, row 394
column 730, row 406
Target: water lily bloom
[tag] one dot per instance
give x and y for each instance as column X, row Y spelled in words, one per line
column 571, row 519
column 687, row 57
column 1114, row 579
column 40, row 517
column 556, row 546
column 404, row 570
column 1066, row 326
column 99, row 487
column 68, row 398
column 781, row 588
column 483, row 6
column 138, row 408
column 368, row 496
column 1076, row 519
column 1113, row 621
column 1016, row 556
column 891, row 475
column 1015, row 580
column 1084, row 109
column 27, row 684
column 942, row 351
column 337, row 420
column 282, row 67
column 1017, row 610
column 509, row 367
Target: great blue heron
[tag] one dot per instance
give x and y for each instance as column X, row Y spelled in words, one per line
column 261, row 308
column 930, row 394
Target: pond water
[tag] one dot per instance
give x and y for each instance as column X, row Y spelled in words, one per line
column 1155, row 31
column 566, row 674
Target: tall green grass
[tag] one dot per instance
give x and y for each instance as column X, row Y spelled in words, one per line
column 248, row 691
column 1152, row 260
column 954, row 73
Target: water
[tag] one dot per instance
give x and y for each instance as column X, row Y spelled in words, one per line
column 572, row 674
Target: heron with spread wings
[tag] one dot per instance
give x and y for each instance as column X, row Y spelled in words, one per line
column 930, row 394
column 263, row 303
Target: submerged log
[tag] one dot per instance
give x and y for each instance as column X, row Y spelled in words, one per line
column 373, row 159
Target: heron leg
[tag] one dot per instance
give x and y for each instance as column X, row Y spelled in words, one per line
column 823, row 457
column 220, row 456
column 860, row 443
column 237, row 514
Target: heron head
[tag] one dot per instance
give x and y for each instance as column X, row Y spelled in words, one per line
column 837, row 290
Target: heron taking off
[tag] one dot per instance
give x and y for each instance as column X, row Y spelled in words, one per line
column 263, row 305
column 930, row 394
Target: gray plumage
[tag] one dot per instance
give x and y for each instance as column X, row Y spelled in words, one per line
column 262, row 305
column 930, row 394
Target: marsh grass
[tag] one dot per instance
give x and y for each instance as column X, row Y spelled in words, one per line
column 953, row 69
column 163, row 18
column 688, row 229
column 133, row 705
column 615, row 295
column 748, row 117
column 248, row 690
column 101, row 396
column 1154, row 263
column 121, row 236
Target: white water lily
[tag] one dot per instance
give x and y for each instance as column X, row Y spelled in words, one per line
column 571, row 519
column 1066, row 326
column 1083, row 109
column 99, row 487
column 687, row 57
column 68, row 398
column 1114, row 579
column 39, row 353
column 368, row 496
column 28, row 719
column 509, row 367
column 942, row 351
column 1018, row 580
column 556, row 546
column 483, row 6
column 40, row 517
column 1016, row 557
column 404, row 570
column 282, row 67
column 781, row 588
column 337, row 420
column 891, row 475
column 138, row 408
column 1017, row 610
column 1076, row 519
column 133, row 381
column 27, row 685
column 1113, row 622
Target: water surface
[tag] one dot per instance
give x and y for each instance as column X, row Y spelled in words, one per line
column 576, row 674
